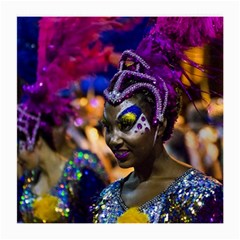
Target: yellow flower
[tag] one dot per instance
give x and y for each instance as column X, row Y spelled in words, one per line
column 133, row 215
column 45, row 208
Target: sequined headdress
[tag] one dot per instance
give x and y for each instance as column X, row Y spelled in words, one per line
column 26, row 121
column 155, row 66
column 144, row 81
column 69, row 48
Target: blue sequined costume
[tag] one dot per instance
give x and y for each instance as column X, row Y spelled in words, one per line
column 191, row 198
column 83, row 178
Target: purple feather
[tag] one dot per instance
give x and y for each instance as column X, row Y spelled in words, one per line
column 189, row 31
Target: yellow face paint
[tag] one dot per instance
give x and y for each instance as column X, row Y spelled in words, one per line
column 132, row 119
column 129, row 118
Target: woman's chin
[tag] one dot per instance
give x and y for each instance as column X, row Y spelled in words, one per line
column 125, row 164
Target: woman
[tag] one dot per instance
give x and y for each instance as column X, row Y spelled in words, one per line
column 55, row 189
column 142, row 104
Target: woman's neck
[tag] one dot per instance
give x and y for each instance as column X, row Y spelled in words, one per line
column 155, row 165
column 52, row 165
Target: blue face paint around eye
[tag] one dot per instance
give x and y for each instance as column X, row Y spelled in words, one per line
column 133, row 109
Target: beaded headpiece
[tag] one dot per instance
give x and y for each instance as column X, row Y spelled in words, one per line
column 155, row 66
column 137, row 66
column 28, row 124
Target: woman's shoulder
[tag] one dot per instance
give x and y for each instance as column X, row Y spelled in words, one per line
column 109, row 193
column 199, row 197
column 195, row 181
column 198, row 178
column 115, row 186
column 84, row 161
column 83, row 157
column 195, row 187
column 206, row 197
column 112, row 188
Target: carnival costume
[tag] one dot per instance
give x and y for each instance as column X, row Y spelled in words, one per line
column 155, row 69
column 191, row 198
column 83, row 178
column 69, row 48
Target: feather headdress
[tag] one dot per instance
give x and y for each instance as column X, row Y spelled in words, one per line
column 155, row 66
column 69, row 48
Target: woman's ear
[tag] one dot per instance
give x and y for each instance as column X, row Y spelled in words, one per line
column 161, row 128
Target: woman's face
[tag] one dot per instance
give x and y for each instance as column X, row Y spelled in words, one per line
column 27, row 159
column 129, row 132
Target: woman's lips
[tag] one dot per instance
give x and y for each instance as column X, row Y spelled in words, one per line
column 120, row 155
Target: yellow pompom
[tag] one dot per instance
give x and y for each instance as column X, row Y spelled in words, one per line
column 133, row 215
column 44, row 208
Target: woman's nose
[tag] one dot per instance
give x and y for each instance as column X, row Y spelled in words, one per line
column 115, row 140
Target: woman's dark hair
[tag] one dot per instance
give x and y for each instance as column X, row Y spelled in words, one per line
column 172, row 112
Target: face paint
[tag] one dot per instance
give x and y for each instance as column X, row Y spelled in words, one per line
column 105, row 122
column 126, row 132
column 131, row 119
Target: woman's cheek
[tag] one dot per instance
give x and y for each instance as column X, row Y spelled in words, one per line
column 141, row 126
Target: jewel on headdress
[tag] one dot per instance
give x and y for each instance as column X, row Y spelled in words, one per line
column 112, row 96
column 23, row 124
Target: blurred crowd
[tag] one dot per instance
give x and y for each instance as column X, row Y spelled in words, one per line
column 198, row 138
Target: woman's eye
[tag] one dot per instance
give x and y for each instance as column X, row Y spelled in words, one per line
column 127, row 121
column 126, row 125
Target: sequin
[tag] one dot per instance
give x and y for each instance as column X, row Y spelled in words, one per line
column 191, row 198
column 81, row 180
